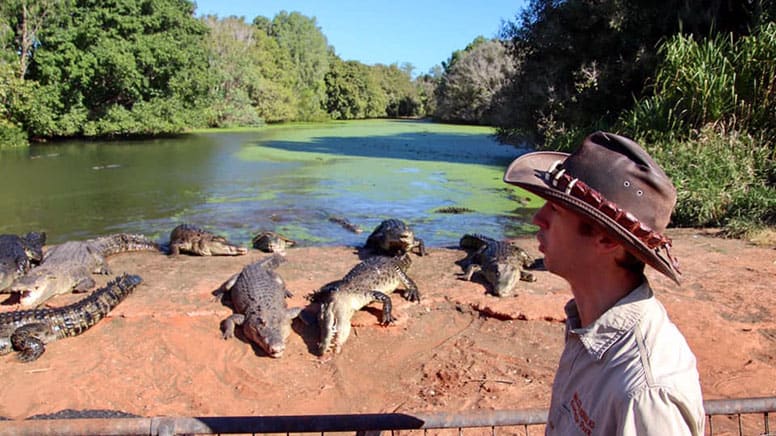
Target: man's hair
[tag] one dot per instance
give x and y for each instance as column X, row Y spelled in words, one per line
column 628, row 261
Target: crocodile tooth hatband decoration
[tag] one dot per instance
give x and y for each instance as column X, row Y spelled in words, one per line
column 557, row 177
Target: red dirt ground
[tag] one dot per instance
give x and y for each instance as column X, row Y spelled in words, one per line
column 160, row 352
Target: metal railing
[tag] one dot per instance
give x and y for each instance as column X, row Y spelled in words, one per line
column 733, row 411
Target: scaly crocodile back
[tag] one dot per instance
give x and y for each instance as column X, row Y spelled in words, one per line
column 121, row 243
column 377, row 273
column 258, row 288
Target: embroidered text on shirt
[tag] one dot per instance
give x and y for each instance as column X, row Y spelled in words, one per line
column 581, row 418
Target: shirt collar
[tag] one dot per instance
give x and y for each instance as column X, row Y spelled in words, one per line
column 612, row 325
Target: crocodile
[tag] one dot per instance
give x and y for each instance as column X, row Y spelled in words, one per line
column 393, row 236
column 68, row 267
column 188, row 238
column 347, row 225
column 28, row 331
column 453, row 210
column 368, row 282
column 18, row 254
column 500, row 262
column 257, row 296
column 271, row 242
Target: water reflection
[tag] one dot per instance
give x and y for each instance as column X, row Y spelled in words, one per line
column 288, row 179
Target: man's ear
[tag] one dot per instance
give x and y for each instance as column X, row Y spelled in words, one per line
column 606, row 242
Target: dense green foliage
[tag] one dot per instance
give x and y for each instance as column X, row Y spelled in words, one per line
column 695, row 86
column 122, row 68
column 710, row 120
column 691, row 79
column 581, row 63
column 720, row 80
column 115, row 69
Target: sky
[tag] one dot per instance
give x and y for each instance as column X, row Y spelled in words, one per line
column 423, row 33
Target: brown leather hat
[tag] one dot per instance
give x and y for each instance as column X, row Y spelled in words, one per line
column 614, row 182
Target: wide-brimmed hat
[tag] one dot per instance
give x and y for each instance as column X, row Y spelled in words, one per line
column 612, row 181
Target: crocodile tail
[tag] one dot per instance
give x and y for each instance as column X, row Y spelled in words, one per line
column 123, row 242
column 272, row 262
column 88, row 311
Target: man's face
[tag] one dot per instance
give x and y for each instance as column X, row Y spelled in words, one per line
column 566, row 251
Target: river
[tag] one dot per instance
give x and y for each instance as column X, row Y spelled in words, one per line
column 291, row 179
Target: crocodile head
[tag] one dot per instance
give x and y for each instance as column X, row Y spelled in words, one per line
column 503, row 276
column 219, row 246
column 271, row 242
column 334, row 320
column 34, row 289
column 33, row 245
column 270, row 331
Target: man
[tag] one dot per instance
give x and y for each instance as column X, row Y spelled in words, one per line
column 625, row 368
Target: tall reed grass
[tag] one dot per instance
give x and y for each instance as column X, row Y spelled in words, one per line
column 712, row 81
column 711, row 122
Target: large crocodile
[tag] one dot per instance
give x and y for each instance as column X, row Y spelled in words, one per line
column 28, row 331
column 18, row 254
column 187, row 238
column 393, row 236
column 68, row 267
column 500, row 262
column 257, row 295
column 369, row 281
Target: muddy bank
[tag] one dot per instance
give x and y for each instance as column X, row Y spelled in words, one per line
column 160, row 352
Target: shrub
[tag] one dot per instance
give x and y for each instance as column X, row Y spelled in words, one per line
column 719, row 178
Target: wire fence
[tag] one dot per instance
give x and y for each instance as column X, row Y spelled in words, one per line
column 742, row 416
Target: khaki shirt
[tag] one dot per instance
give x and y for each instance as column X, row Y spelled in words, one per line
column 630, row 372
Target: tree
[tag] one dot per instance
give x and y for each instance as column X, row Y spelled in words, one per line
column 468, row 89
column 233, row 63
column 26, row 19
column 120, row 67
column 308, row 49
column 401, row 93
column 580, row 63
column 352, row 91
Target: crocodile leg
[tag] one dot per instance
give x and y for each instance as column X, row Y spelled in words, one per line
column 411, row 293
column 387, row 306
column 229, row 323
column 30, row 340
column 84, row 284
column 421, row 247
column 470, row 270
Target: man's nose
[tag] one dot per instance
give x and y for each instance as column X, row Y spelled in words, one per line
column 540, row 217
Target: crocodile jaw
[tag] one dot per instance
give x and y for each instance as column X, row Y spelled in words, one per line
column 217, row 248
column 271, row 339
column 35, row 292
